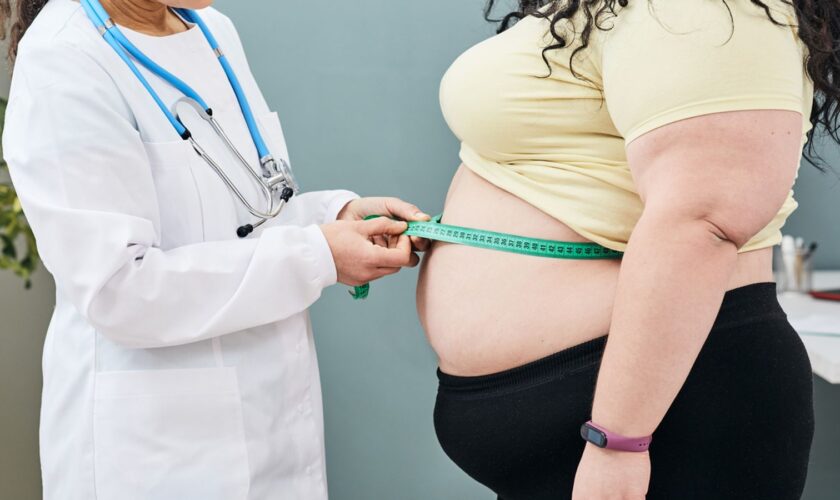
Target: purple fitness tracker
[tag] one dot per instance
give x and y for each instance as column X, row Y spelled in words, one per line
column 603, row 438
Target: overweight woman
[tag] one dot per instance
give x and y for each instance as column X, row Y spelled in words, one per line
column 180, row 361
column 671, row 131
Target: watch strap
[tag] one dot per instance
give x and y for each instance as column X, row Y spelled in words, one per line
column 603, row 438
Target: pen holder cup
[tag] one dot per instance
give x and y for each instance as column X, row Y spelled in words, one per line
column 795, row 273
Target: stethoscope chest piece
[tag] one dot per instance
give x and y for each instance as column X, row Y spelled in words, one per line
column 275, row 180
column 282, row 173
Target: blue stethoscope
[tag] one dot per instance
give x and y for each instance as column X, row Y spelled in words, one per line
column 277, row 184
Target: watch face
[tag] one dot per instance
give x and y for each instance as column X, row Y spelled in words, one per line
column 594, row 436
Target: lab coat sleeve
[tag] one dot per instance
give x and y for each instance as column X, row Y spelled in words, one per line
column 85, row 183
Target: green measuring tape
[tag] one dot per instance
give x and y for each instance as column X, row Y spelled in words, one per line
column 535, row 247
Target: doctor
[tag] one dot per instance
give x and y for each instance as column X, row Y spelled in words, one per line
column 180, row 362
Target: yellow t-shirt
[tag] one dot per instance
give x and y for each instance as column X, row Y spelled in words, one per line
column 558, row 142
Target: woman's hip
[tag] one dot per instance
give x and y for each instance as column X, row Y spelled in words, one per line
column 741, row 426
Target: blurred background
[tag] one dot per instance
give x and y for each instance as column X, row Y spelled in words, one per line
column 356, row 85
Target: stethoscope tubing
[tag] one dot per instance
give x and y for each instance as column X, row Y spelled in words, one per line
column 265, row 189
column 193, row 17
column 102, row 22
column 271, row 176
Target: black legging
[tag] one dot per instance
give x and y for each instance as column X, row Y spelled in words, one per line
column 740, row 428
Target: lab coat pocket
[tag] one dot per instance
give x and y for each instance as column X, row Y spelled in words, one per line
column 169, row 434
column 179, row 201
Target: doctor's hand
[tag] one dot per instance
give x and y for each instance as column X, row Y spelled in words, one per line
column 394, row 208
column 358, row 260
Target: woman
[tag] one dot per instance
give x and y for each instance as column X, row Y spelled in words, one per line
column 180, row 361
column 668, row 130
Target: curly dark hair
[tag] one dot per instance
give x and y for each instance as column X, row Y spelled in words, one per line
column 818, row 20
column 819, row 29
column 24, row 13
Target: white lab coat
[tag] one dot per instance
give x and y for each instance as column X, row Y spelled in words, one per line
column 180, row 362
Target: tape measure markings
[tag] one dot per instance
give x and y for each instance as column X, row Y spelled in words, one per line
column 435, row 230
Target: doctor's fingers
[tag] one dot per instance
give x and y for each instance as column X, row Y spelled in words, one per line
column 420, row 244
column 403, row 210
column 405, row 242
column 380, row 240
column 382, row 226
column 414, row 259
column 384, row 240
column 394, row 241
column 400, row 256
column 381, row 272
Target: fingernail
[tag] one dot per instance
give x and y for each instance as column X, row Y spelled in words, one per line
column 422, row 215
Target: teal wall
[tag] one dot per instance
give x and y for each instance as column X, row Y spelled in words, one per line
column 818, row 215
column 356, row 83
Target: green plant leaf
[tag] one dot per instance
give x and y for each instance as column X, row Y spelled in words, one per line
column 19, row 253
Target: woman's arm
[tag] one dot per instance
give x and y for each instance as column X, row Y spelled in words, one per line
column 708, row 184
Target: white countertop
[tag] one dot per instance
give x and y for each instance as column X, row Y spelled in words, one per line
column 818, row 323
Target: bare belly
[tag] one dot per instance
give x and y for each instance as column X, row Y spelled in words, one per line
column 486, row 311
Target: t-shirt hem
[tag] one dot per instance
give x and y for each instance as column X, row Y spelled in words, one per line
column 486, row 172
